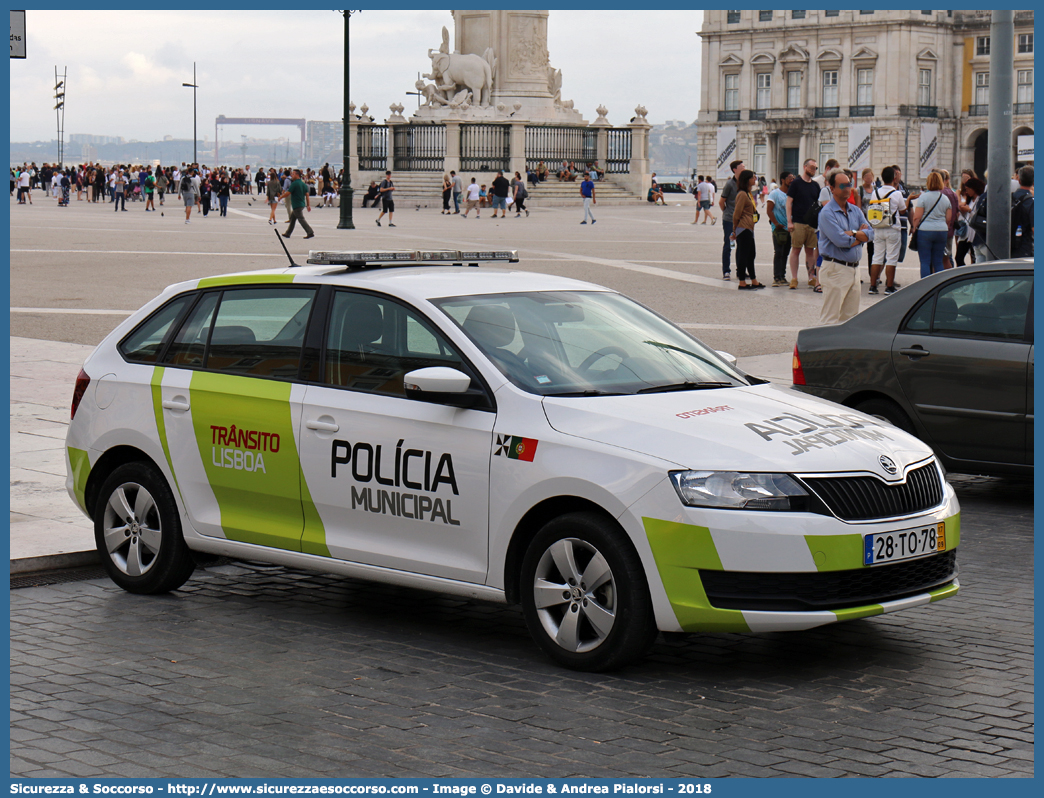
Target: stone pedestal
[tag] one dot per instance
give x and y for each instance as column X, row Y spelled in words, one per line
column 516, row 43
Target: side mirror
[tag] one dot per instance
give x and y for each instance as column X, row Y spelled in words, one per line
column 730, row 359
column 442, row 385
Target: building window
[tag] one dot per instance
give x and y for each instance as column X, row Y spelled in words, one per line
column 927, row 13
column 797, row 14
column 826, row 152
column 833, row 13
column 764, row 99
column 982, row 45
column 760, row 158
column 732, row 92
column 1025, row 42
column 733, row 17
column 982, row 88
column 924, row 87
column 866, row 12
column 764, row 16
column 864, row 87
column 829, row 89
column 1024, row 90
column 794, row 89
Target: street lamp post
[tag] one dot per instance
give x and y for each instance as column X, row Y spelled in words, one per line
column 345, row 222
column 193, row 86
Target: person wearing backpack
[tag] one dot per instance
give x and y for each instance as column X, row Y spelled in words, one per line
column 188, row 190
column 885, row 205
column 1022, row 216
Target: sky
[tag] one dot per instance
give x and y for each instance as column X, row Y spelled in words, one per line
column 125, row 68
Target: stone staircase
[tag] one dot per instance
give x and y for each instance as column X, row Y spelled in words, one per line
column 425, row 190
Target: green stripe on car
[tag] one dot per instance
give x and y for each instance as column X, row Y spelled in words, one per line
column 680, row 550
column 245, row 279
column 80, row 462
column 161, row 427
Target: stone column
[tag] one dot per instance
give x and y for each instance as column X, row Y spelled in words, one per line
column 353, row 151
column 517, row 143
column 602, row 126
column 640, row 174
column 452, row 159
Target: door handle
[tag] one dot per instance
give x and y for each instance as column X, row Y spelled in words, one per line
column 914, row 353
column 322, row 426
column 177, row 403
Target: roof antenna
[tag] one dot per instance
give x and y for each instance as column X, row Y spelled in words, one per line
column 279, row 238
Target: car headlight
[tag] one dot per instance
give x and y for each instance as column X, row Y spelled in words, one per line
column 737, row 490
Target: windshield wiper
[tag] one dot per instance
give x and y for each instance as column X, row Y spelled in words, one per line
column 684, row 386
column 590, row 392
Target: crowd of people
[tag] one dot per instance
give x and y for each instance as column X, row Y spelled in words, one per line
column 147, row 183
column 829, row 217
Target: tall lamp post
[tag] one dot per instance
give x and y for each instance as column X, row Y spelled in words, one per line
column 345, row 222
column 193, row 86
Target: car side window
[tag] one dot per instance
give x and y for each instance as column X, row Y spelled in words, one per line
column 259, row 332
column 145, row 342
column 984, row 307
column 372, row 342
column 190, row 344
column 921, row 319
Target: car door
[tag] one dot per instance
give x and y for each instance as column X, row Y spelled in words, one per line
column 229, row 409
column 395, row 482
column 961, row 359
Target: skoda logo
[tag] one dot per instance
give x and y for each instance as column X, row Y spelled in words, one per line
column 887, row 464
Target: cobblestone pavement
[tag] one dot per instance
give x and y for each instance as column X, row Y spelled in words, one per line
column 260, row 671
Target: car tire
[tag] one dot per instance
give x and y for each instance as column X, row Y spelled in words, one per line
column 600, row 626
column 887, row 410
column 137, row 529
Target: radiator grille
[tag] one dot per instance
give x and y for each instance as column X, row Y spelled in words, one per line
column 865, row 498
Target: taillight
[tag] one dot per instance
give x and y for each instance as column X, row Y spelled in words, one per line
column 799, row 373
column 82, row 381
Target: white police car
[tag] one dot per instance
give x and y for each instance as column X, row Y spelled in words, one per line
column 501, row 435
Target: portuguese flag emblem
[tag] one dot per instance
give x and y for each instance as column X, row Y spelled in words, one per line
column 516, row 448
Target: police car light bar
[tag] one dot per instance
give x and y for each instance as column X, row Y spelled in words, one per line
column 424, row 257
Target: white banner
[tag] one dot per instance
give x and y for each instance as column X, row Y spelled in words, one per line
column 929, row 148
column 17, row 34
column 1025, row 148
column 727, row 146
column 858, row 147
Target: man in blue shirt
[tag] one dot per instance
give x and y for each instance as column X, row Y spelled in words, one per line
column 842, row 232
column 777, row 215
column 587, row 191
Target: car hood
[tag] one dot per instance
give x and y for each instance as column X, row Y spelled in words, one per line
column 764, row 428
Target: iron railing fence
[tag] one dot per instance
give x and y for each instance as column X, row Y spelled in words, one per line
column 554, row 144
column 618, row 152
column 419, row 148
column 485, row 148
column 373, row 148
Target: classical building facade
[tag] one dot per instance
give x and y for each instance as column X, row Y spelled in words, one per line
column 800, row 84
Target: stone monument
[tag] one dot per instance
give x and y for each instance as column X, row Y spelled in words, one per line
column 499, row 68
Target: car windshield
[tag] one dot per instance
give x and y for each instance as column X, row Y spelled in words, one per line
column 588, row 343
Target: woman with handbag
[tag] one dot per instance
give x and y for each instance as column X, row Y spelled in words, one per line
column 931, row 222
column 447, row 192
column 744, row 217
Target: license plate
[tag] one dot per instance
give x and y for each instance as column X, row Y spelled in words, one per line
column 904, row 544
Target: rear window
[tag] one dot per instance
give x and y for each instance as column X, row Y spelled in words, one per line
column 145, row 342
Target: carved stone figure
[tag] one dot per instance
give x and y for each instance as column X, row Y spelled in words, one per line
column 472, row 71
column 554, row 83
column 461, row 101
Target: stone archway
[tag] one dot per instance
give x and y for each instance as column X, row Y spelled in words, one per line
column 980, row 152
column 1022, row 130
